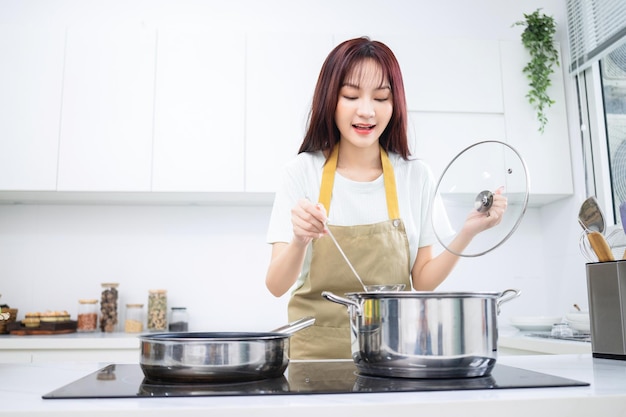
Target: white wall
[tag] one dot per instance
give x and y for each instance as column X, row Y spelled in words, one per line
column 213, row 259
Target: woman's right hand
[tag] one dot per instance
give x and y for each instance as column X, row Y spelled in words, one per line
column 309, row 221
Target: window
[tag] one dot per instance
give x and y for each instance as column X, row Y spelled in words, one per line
column 597, row 38
column 613, row 70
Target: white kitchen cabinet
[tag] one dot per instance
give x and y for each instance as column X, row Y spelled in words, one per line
column 107, row 113
column 199, row 125
column 547, row 155
column 31, row 76
column 281, row 72
column 195, row 111
column 72, row 347
column 449, row 75
column 440, row 135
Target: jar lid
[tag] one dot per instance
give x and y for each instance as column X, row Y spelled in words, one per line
column 87, row 301
column 134, row 305
column 110, row 284
column 157, row 291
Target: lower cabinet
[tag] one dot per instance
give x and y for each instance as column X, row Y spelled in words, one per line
column 109, row 348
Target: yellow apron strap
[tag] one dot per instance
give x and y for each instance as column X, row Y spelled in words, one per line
column 328, row 180
column 390, row 186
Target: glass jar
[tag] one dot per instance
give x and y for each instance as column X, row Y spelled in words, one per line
column 134, row 318
column 179, row 319
column 561, row 330
column 87, row 315
column 157, row 310
column 108, row 307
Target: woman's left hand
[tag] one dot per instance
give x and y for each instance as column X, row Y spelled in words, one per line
column 477, row 222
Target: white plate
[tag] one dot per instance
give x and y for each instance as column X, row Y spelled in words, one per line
column 534, row 323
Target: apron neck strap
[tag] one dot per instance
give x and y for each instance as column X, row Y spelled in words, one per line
column 328, row 180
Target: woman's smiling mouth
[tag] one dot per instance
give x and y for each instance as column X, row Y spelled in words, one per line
column 364, row 128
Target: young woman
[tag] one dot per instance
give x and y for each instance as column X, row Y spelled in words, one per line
column 354, row 175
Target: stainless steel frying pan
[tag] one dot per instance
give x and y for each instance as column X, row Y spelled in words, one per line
column 217, row 356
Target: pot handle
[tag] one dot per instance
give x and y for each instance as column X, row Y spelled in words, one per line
column 295, row 326
column 340, row 300
column 507, row 295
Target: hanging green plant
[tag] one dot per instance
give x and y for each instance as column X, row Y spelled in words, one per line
column 538, row 39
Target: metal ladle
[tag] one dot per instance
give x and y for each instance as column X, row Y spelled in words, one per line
column 366, row 288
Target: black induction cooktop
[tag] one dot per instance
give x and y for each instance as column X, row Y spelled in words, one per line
column 332, row 377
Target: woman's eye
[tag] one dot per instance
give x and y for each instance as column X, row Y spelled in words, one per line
column 382, row 99
column 349, row 97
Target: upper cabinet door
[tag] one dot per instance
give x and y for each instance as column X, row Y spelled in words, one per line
column 547, row 155
column 282, row 69
column 107, row 114
column 449, row 75
column 31, row 75
column 199, row 111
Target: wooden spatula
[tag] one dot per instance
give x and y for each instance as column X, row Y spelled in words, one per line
column 600, row 246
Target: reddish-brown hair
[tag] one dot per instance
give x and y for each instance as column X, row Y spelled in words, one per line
column 322, row 132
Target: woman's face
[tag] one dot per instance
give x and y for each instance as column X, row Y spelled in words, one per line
column 364, row 106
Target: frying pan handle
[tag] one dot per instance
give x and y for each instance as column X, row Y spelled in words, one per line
column 295, row 326
column 507, row 295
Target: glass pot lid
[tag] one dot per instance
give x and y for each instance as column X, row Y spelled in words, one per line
column 468, row 183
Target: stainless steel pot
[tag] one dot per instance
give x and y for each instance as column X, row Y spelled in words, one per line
column 217, row 356
column 424, row 334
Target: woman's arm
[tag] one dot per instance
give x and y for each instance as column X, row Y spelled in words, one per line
column 308, row 221
column 285, row 266
column 428, row 272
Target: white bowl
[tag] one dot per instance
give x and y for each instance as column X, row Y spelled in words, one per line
column 580, row 326
column 534, row 323
column 577, row 317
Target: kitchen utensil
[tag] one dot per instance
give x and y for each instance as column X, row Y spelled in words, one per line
column 217, row 356
column 424, row 334
column 366, row 288
column 468, row 183
column 330, row 233
column 614, row 238
column 606, row 290
column 600, row 246
column 592, row 221
column 590, row 216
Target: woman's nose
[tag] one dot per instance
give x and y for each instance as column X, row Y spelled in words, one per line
column 365, row 109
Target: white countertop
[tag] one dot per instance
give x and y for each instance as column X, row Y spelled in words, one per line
column 522, row 341
column 23, row 385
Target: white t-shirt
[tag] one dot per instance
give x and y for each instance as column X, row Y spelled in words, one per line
column 356, row 203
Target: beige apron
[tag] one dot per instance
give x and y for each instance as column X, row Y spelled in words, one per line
column 380, row 254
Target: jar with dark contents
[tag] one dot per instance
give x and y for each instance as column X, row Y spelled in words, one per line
column 179, row 319
column 87, row 315
column 108, row 307
column 157, row 310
